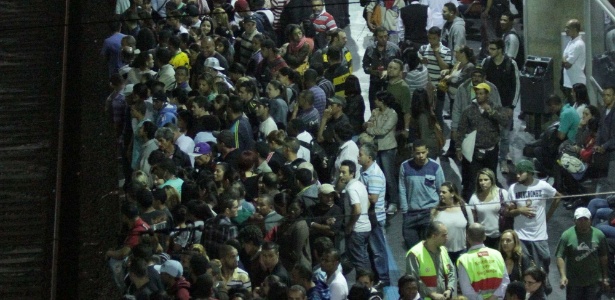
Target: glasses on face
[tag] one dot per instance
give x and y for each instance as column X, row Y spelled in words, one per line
column 530, row 282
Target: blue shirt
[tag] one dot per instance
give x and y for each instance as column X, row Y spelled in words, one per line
column 320, row 99
column 374, row 180
column 419, row 185
column 569, row 122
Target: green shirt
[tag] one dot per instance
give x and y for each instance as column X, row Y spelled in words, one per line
column 401, row 92
column 582, row 254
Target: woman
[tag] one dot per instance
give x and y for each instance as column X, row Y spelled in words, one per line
column 275, row 140
column 423, row 121
column 535, row 283
column 143, row 64
column 223, row 176
column 221, row 25
column 581, row 98
column 298, row 49
column 246, row 164
column 381, row 126
column 485, row 203
column 173, row 198
column 293, row 237
column 278, row 110
column 292, row 81
column 355, row 105
column 516, row 263
column 223, row 46
column 453, row 213
column 207, row 86
column 460, row 72
column 205, row 29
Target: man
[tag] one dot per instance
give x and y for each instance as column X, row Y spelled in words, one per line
column 569, row 120
column 297, row 292
column 267, row 124
column 606, row 137
column 330, row 264
column 208, row 49
column 376, row 59
column 463, row 98
column 270, row 264
column 297, row 128
column 166, row 73
column 573, row 60
column 513, row 44
column 315, row 289
column 437, row 58
column 416, row 19
column 320, row 98
column 251, row 239
column 515, row 291
column 137, row 271
column 229, row 153
column 502, row 71
column 266, row 212
column 400, row 90
column 486, row 119
column 246, row 48
column 307, row 113
column 164, row 112
column 240, row 125
column 482, row 271
column 373, row 178
column 247, row 91
column 337, row 39
column 582, row 258
column 178, row 58
column 166, row 144
column 527, row 203
column 454, row 30
column 182, row 79
column 291, row 148
column 332, row 117
column 428, row 260
column 357, row 227
column 327, row 221
column 111, row 47
column 171, row 274
column 348, row 150
column 220, row 229
column 271, row 63
column 203, row 160
column 184, row 142
column 337, row 72
column 307, row 189
column 322, row 22
column 257, row 55
column 419, row 182
column 490, row 17
column 232, row 276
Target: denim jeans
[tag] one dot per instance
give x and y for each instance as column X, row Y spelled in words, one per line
column 378, row 246
column 413, row 232
column 599, row 208
column 440, row 98
column 386, row 161
column 608, row 184
column 356, row 248
column 539, row 252
column 590, row 292
column 505, row 141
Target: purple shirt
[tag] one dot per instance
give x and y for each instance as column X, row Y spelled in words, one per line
column 320, row 99
column 111, row 50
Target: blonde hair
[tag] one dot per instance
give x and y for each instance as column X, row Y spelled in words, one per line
column 517, row 251
column 142, row 178
column 173, row 198
column 220, row 17
column 494, row 188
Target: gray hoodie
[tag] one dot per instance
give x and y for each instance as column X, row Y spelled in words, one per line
column 454, row 34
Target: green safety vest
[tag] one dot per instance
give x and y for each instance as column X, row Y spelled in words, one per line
column 485, row 268
column 427, row 269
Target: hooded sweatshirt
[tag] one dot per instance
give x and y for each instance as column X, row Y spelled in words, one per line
column 181, row 289
column 167, row 114
column 454, row 34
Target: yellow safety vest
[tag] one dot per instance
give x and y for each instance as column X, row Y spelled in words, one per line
column 485, row 268
column 427, row 269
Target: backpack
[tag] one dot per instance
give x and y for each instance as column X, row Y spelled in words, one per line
column 267, row 27
column 318, row 156
column 520, row 58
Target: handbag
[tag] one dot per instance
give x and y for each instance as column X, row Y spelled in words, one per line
column 376, row 17
column 505, row 222
column 443, row 85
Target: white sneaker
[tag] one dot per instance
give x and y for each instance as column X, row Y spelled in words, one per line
column 504, row 167
column 392, row 209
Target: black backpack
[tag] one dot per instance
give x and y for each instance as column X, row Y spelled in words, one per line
column 318, row 156
column 520, row 59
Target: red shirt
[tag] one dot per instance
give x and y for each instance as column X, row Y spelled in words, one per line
column 134, row 235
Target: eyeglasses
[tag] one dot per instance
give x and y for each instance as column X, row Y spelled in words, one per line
column 530, row 282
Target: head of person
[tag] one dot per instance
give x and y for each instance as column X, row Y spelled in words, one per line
column 296, row 292
column 496, row 48
column 251, row 238
column 475, row 234
column 449, row 195
column 330, row 260
column 408, row 287
column 507, row 20
column 525, row 171
column 433, row 36
column 301, row 274
column 365, row 276
column 222, row 172
column 336, row 104
column 384, row 99
column 573, row 28
column 249, row 24
column 381, row 36
column 268, row 49
column 591, row 117
column 268, row 182
column 485, row 181
column 229, row 257
column 420, row 153
column 170, row 272
column 352, row 86
column 202, row 154
column 395, row 69
column 437, row 233
column 247, row 161
column 515, row 291
column 276, row 89
column 338, row 38
column 555, row 104
column 410, row 57
column 465, row 54
column 165, row 138
column 534, row 279
column 420, row 103
column 358, row 291
column 608, row 96
column 294, row 33
column 270, row 255
column 208, row 46
column 579, row 94
column 247, row 90
column 477, row 76
column 510, row 245
column 367, row 155
column 449, row 11
column 348, row 169
column 482, row 91
column 291, row 147
column 317, row 7
column 228, row 206
column 582, row 219
column 326, row 195
column 264, row 204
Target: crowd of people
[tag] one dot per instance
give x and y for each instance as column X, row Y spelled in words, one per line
column 251, row 172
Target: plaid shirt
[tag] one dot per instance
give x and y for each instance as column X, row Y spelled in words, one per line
column 216, row 232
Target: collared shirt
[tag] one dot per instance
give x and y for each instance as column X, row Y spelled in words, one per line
column 486, row 125
column 569, row 122
column 373, row 178
column 357, row 194
column 338, row 286
column 575, row 55
column 348, row 151
column 466, row 285
column 432, row 66
column 239, row 278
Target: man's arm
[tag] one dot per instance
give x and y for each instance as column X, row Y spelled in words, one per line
column 355, row 214
column 561, row 267
column 403, row 199
column 465, row 284
column 440, row 60
column 500, row 293
column 412, row 268
column 554, row 205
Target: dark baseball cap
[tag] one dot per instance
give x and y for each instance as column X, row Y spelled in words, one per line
column 159, row 96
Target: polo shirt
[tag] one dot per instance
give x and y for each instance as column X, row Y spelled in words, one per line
column 569, row 121
column 373, row 178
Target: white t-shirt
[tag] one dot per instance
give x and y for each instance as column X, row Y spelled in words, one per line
column 267, row 127
column 304, row 152
column 535, row 195
column 357, row 194
column 186, row 144
column 455, row 223
column 488, row 213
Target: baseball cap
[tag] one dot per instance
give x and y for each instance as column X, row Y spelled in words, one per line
column 202, row 148
column 326, row 189
column 192, row 10
column 249, row 19
column 159, row 96
column 173, row 268
column 524, row 166
column 483, row 86
column 213, row 62
column 582, row 212
column 338, row 100
column 264, row 102
column 479, row 70
column 226, row 137
column 242, row 6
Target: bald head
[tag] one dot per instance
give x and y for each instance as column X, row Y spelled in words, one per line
column 475, row 234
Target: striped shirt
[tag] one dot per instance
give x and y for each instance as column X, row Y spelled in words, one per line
column 373, row 178
column 324, row 22
column 432, row 65
column 277, row 6
column 239, row 279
